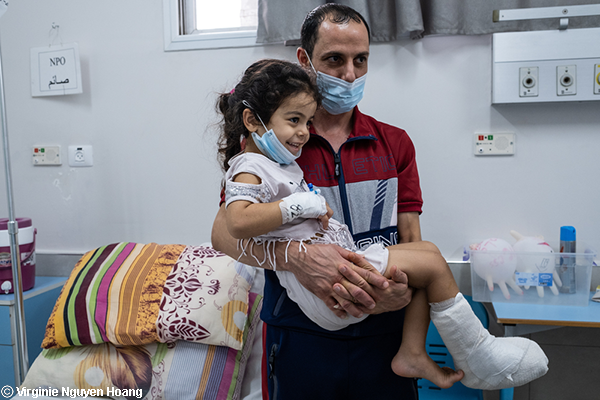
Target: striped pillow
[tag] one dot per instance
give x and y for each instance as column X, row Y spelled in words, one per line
column 134, row 294
column 180, row 370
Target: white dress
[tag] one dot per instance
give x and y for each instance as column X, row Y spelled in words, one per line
column 277, row 182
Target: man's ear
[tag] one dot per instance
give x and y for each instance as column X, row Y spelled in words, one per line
column 302, row 57
column 250, row 121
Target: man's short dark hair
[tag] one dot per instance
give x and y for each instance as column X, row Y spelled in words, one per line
column 337, row 13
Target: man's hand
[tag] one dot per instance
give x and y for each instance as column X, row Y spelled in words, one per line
column 395, row 296
column 316, row 270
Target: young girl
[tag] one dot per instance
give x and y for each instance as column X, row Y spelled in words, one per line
column 268, row 200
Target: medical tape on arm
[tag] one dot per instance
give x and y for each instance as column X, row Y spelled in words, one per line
column 303, row 204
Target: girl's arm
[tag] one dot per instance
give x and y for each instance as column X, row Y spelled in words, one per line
column 246, row 219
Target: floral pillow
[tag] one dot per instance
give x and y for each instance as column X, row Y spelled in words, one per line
column 134, row 294
column 153, row 371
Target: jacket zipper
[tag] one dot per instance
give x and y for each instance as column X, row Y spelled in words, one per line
column 339, row 175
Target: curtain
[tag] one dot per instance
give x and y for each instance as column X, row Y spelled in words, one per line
column 389, row 20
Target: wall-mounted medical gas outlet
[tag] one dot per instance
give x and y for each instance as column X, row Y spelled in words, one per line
column 494, row 144
column 528, row 81
column 46, row 155
column 566, row 80
column 559, row 65
column 81, row 156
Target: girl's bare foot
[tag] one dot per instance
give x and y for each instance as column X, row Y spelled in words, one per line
column 419, row 365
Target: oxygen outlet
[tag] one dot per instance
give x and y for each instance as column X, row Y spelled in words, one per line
column 566, row 83
column 528, row 82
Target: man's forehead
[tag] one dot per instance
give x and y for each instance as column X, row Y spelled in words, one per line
column 332, row 34
column 329, row 26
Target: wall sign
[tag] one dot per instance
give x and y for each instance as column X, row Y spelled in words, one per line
column 55, row 70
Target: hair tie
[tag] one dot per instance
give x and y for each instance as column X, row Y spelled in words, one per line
column 232, row 91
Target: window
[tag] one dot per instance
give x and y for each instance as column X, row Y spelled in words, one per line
column 205, row 24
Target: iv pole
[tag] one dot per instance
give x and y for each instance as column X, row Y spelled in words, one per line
column 22, row 361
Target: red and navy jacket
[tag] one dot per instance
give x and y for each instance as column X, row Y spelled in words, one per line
column 367, row 182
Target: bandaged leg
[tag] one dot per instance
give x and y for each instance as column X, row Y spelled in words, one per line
column 489, row 363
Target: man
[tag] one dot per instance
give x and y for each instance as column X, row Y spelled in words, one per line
column 367, row 172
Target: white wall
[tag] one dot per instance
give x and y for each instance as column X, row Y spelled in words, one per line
column 149, row 116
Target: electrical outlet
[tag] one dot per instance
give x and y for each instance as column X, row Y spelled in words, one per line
column 528, row 81
column 597, row 79
column 81, row 156
column 46, row 155
column 566, row 80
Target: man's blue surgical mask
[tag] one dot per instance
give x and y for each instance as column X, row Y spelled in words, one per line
column 270, row 146
column 339, row 96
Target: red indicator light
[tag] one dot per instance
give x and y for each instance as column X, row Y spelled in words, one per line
column 480, row 137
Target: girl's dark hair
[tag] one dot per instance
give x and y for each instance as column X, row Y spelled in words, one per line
column 337, row 13
column 265, row 85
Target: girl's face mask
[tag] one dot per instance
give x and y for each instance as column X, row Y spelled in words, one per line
column 339, row 96
column 270, row 146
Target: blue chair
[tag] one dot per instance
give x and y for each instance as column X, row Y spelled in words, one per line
column 440, row 354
